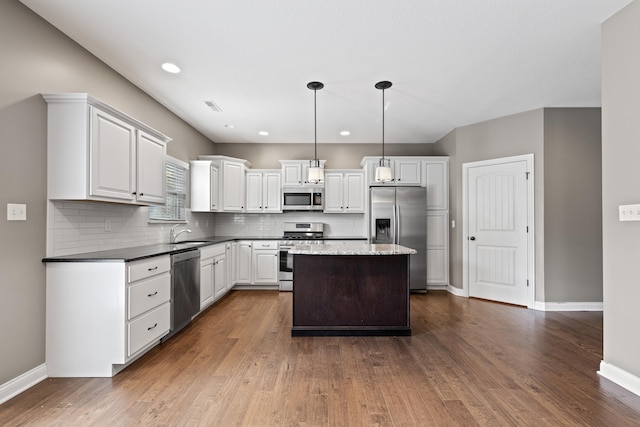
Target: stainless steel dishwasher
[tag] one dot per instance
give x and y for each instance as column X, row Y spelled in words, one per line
column 185, row 289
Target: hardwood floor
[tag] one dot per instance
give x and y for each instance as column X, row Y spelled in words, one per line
column 468, row 362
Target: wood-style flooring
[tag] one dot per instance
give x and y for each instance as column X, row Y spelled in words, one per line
column 468, row 362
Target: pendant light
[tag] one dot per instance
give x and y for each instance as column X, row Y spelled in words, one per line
column 316, row 172
column 383, row 171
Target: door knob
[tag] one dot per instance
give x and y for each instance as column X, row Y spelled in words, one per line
column 472, row 238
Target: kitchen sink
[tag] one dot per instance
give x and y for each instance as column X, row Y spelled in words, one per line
column 187, row 243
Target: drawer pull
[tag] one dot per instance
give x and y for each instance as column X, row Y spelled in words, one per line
column 154, row 268
column 155, row 293
column 151, row 327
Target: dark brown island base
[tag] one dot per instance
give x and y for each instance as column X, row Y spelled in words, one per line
column 351, row 289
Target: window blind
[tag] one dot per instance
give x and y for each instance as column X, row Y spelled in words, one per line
column 175, row 207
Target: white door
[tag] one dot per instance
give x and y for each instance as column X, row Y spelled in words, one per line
column 497, row 232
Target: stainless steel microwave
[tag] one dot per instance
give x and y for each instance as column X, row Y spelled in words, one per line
column 302, row 199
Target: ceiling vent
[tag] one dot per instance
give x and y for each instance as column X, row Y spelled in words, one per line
column 213, row 106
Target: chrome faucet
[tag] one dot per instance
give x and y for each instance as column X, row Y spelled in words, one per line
column 173, row 235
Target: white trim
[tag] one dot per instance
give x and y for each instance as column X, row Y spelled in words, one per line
column 457, row 291
column 531, row 220
column 620, row 377
column 568, row 306
column 20, row 383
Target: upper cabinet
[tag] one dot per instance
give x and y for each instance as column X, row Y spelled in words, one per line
column 296, row 172
column 406, row 170
column 435, row 175
column 204, row 186
column 264, row 191
column 96, row 152
column 218, row 184
column 344, row 191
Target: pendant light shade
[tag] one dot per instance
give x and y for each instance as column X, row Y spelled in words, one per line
column 383, row 171
column 316, row 172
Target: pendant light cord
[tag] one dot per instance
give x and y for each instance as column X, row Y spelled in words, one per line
column 315, row 126
column 382, row 124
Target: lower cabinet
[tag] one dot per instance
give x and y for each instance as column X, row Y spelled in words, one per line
column 101, row 316
column 265, row 262
column 437, row 249
column 257, row 264
column 213, row 274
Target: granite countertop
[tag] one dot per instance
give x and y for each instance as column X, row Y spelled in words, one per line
column 148, row 251
column 351, row 249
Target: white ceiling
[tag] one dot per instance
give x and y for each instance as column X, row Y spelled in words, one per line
column 451, row 62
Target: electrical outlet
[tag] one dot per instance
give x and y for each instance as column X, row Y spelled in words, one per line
column 16, row 212
column 629, row 212
column 107, row 225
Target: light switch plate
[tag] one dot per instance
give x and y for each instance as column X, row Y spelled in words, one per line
column 16, row 212
column 629, row 212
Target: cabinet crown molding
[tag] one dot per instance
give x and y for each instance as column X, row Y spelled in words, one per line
column 67, row 98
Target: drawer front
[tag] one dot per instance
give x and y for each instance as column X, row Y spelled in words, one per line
column 138, row 270
column 211, row 251
column 258, row 245
column 148, row 328
column 150, row 293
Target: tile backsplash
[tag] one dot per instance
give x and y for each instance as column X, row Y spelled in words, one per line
column 76, row 227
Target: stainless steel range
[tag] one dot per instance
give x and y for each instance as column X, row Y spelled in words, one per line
column 296, row 233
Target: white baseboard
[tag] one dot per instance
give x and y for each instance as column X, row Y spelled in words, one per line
column 455, row 291
column 620, row 377
column 19, row 384
column 568, row 306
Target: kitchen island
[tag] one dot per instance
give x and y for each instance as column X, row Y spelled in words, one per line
column 351, row 289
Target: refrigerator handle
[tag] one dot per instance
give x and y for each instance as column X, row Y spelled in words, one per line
column 396, row 223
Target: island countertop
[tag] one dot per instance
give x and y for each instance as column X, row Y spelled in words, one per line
column 351, row 249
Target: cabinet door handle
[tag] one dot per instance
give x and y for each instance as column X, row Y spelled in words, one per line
column 134, row 193
column 154, row 268
column 155, row 293
column 151, row 327
column 141, row 194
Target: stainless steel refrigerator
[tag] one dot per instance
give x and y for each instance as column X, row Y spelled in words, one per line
column 399, row 215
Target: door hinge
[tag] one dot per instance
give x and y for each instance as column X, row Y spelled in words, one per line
column 526, row 174
column 527, row 283
column 527, row 228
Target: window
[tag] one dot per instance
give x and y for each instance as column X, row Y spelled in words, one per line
column 175, row 207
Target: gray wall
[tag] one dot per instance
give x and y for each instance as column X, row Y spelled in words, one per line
column 620, row 185
column 566, row 146
column 572, row 204
column 37, row 58
column 338, row 156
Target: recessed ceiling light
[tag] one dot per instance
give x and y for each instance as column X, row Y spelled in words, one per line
column 170, row 68
column 230, row 126
column 263, row 133
column 345, row 133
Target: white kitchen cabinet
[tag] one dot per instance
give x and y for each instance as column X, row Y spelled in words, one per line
column 213, row 274
column 220, row 276
column 231, row 250
column 232, row 270
column 265, row 263
column 244, row 263
column 264, row 191
column 406, row 170
column 296, row 172
column 101, row 316
column 95, row 152
column 435, row 172
column 224, row 187
column 206, row 281
column 233, row 186
column 437, row 249
column 204, row 186
column 344, row 191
